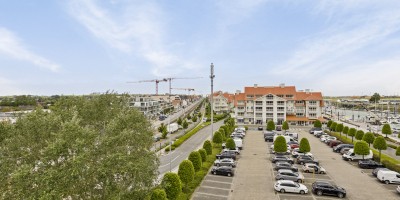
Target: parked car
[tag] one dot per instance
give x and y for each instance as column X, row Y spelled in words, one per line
column 341, row 146
column 290, row 186
column 313, row 168
column 278, row 128
column 388, row 176
column 350, row 155
column 334, row 143
column 269, row 136
column 376, row 170
column 323, row 137
column 293, row 144
column 329, row 139
column 236, row 151
column 318, row 134
column 398, row 189
column 285, row 165
column 237, row 135
column 313, row 129
column 224, row 170
column 285, row 174
column 306, row 159
column 345, row 150
column 279, row 158
column 369, row 164
column 226, row 154
column 285, row 153
column 260, row 128
column 326, row 188
column 225, row 162
column 296, row 153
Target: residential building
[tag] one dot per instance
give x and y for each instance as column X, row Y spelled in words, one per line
column 257, row 105
column 222, row 102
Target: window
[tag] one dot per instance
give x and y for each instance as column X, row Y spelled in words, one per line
column 270, row 103
column 280, row 95
column 281, row 103
column 270, row 96
column 289, row 96
column 313, row 115
column 299, row 102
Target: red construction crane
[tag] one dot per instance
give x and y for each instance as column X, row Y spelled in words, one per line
column 187, row 89
column 154, row 80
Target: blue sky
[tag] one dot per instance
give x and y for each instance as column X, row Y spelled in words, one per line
column 338, row 47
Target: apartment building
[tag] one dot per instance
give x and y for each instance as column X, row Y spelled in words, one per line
column 257, row 105
column 222, row 102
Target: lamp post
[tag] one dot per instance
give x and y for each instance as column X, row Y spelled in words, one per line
column 212, row 76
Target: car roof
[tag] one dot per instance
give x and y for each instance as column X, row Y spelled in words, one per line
column 285, row 181
column 322, row 183
column 285, row 170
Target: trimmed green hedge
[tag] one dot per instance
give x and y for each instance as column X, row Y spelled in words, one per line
column 189, row 134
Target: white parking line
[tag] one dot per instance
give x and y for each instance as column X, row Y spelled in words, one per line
column 215, row 195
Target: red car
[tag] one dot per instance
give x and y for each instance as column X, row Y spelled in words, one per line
column 334, row 143
column 293, row 145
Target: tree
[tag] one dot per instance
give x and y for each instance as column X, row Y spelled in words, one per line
column 352, row 133
column 380, row 144
column 317, row 124
column 361, row 148
column 339, row 128
column 199, row 115
column 369, row 138
column 172, row 185
column 304, row 146
column 285, row 126
column 329, row 124
column 280, row 144
column 359, row 134
column 195, row 157
column 398, row 151
column 333, row 126
column 270, row 125
column 230, row 144
column 346, row 130
column 162, row 128
column 203, row 154
column 86, row 143
column 222, row 131
column 375, row 98
column 164, row 134
column 386, row 130
column 179, row 121
column 185, row 124
column 194, row 118
column 208, row 147
column 217, row 138
column 158, row 194
column 186, row 172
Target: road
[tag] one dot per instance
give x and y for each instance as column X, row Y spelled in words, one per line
column 171, row 161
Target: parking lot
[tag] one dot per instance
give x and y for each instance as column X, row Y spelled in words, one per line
column 214, row 188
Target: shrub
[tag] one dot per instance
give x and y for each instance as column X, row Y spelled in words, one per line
column 361, row 148
column 217, row 138
column 359, row 134
column 369, row 138
column 186, row 172
column 339, row 128
column 230, row 144
column 246, row 128
column 329, row 123
column 208, row 147
column 285, row 126
column 203, row 154
column 317, row 124
column 280, row 144
column 270, row 125
column 185, row 124
column 194, row 118
column 304, row 145
column 352, row 133
column 195, row 157
column 398, row 151
column 346, row 130
column 386, row 130
column 333, row 126
column 158, row 194
column 172, row 185
column 179, row 121
column 380, row 144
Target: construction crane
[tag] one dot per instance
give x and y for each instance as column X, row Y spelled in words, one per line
column 154, row 80
column 170, row 80
column 187, row 89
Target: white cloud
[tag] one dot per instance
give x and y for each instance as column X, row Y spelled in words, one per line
column 11, row 45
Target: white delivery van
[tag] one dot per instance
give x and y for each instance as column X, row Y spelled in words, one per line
column 350, row 155
column 238, row 143
column 287, row 138
column 293, row 135
column 388, row 176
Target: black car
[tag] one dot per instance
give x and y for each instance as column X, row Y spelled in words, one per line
column 285, row 165
column 318, row 135
column 260, row 128
column 341, row 146
column 269, row 136
column 369, row 164
column 326, row 188
column 226, row 154
column 224, row 170
column 311, row 131
column 306, row 159
column 376, row 170
column 278, row 128
column 280, row 158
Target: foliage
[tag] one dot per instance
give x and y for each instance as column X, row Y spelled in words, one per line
column 285, row 126
column 179, row 121
column 208, row 147
column 359, row 134
column 189, row 134
column 22, row 100
column 194, row 118
column 270, row 125
column 361, row 148
column 195, row 157
column 162, row 128
column 329, row 123
column 171, row 184
column 317, row 124
column 217, row 138
column 246, row 128
column 185, row 124
column 375, row 98
column 346, row 130
column 369, row 138
column 339, row 128
column 386, row 129
column 230, row 144
column 158, row 194
column 333, row 126
column 352, row 133
column 222, row 131
column 304, row 145
column 186, row 172
column 398, row 151
column 164, row 134
column 280, row 144
column 85, row 144
column 203, row 154
column 380, row 144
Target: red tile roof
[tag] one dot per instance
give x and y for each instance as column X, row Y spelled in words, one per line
column 263, row 90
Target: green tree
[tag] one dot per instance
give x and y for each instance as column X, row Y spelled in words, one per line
column 398, row 151
column 186, row 172
column 208, row 147
column 329, row 124
column 222, row 131
column 158, row 194
column 317, row 124
column 280, row 145
column 230, row 144
column 339, row 128
column 217, row 138
column 304, row 146
column 194, row 118
column 346, row 130
column 352, row 133
column 172, row 185
column 380, row 144
column 162, row 128
column 199, row 115
column 361, row 148
column 386, row 129
column 359, row 134
column 83, row 143
column 179, row 121
column 185, row 124
column 164, row 134
column 195, row 157
column 285, row 126
column 270, row 125
column 375, row 98
column 203, row 154
column 369, row 138
column 333, row 126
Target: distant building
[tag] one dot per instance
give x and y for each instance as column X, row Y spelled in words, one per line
column 222, row 102
column 257, row 105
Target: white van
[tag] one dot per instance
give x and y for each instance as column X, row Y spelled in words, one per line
column 293, row 135
column 350, row 155
column 388, row 176
column 238, row 143
column 287, row 138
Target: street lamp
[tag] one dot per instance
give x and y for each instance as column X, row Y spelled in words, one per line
column 212, row 76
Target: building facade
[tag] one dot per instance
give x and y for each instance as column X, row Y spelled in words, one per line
column 257, row 105
column 222, row 102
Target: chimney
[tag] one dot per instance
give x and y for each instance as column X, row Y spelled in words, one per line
column 255, row 85
column 282, row 85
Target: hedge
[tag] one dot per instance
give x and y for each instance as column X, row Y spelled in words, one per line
column 189, row 134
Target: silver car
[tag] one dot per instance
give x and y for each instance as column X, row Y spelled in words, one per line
column 225, row 162
column 285, row 174
column 313, row 168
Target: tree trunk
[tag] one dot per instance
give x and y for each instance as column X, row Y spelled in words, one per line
column 380, row 156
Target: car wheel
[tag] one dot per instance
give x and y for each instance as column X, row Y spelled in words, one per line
column 387, row 182
column 302, row 192
column 340, row 195
column 299, row 181
column 319, row 192
column 322, row 172
column 301, row 163
column 218, row 165
column 306, row 171
column 229, row 174
column 215, row 173
column 282, row 191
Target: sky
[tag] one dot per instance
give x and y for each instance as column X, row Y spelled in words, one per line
column 337, row 47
